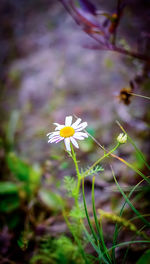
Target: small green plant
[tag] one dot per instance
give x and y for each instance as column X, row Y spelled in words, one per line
column 93, row 232
column 57, row 251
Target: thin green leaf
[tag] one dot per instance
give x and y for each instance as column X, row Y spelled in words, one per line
column 87, row 215
column 91, row 228
column 129, row 203
column 127, row 243
column 132, row 167
column 100, row 233
column 90, row 239
column 121, row 212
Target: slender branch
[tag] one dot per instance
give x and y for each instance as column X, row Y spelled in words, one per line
column 140, row 95
column 131, row 53
column 132, row 167
column 98, row 161
column 106, row 44
column 69, row 11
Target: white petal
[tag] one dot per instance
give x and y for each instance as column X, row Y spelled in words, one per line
column 67, row 144
column 53, row 139
column 78, row 137
column 81, row 134
column 49, row 134
column 81, row 126
column 68, row 120
column 52, row 134
column 58, row 127
column 60, row 139
column 76, row 123
column 74, row 142
column 56, row 124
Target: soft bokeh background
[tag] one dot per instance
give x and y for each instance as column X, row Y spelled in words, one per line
column 46, row 74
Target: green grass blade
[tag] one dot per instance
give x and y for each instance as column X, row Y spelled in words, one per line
column 128, row 243
column 129, row 203
column 121, row 212
column 97, row 248
column 144, row 215
column 99, row 230
column 91, row 241
column 92, row 257
column 132, row 167
column 87, row 215
column 132, row 207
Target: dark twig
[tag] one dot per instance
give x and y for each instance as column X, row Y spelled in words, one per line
column 108, row 40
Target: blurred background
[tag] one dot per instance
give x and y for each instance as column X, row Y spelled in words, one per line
column 46, row 73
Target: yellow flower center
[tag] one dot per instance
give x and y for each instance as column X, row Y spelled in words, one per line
column 67, row 132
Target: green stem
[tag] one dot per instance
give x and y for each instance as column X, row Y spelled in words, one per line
column 75, row 161
column 98, row 161
column 76, row 237
column 78, row 176
column 78, row 185
column 133, row 168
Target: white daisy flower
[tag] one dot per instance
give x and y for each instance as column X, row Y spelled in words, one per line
column 68, row 132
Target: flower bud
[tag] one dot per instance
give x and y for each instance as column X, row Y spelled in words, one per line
column 122, row 138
